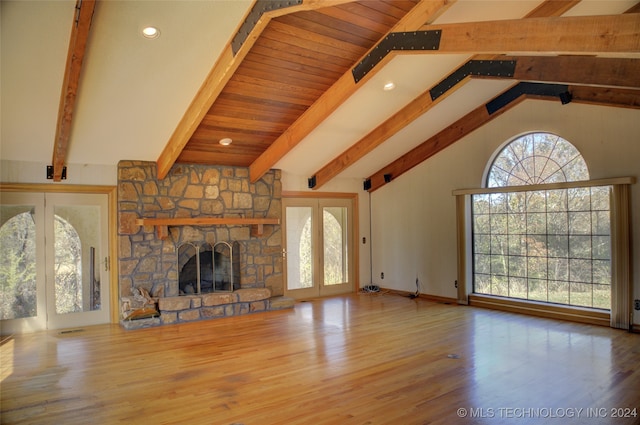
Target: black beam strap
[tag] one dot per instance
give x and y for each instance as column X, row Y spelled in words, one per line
column 50, row 172
column 560, row 91
column 259, row 8
column 411, row 40
column 311, row 182
column 484, row 68
column 366, row 184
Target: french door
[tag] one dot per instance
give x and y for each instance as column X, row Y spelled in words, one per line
column 54, row 262
column 318, row 247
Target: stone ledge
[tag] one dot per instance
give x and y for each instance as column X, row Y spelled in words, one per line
column 209, row 300
column 281, row 303
column 252, row 294
column 174, row 303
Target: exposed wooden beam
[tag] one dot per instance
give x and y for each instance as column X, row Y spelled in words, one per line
column 75, row 55
column 581, row 70
column 220, row 74
column 560, row 35
column 465, row 125
column 379, row 135
column 422, row 13
column 480, row 116
column 414, row 109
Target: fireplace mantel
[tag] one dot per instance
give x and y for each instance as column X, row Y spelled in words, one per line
column 162, row 224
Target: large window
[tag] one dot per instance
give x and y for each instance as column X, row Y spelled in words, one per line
column 546, row 244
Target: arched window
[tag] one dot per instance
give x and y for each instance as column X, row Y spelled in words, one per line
column 537, row 158
column 550, row 245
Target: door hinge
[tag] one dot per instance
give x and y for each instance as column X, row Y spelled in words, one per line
column 106, row 264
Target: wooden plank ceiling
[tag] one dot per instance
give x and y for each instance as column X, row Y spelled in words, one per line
column 296, row 58
column 292, row 67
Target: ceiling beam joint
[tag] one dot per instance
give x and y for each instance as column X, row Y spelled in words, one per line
column 481, row 68
column 406, row 40
column 526, row 88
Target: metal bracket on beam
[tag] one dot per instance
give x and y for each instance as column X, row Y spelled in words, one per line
column 311, row 182
column 411, row 40
column 50, row 172
column 483, row 68
column 537, row 89
column 259, row 8
column 366, row 184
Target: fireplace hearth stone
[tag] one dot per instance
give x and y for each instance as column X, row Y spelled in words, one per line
column 190, row 308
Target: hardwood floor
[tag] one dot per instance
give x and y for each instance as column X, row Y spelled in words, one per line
column 358, row 359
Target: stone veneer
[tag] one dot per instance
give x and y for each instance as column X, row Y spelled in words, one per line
column 196, row 191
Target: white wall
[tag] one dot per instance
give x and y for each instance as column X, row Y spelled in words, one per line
column 414, row 228
column 36, row 172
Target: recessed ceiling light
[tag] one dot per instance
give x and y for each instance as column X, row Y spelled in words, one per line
column 390, row 85
column 226, row 141
column 150, row 32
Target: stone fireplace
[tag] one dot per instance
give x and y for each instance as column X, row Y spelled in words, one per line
column 198, row 270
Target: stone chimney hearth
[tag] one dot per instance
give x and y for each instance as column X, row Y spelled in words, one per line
column 153, row 261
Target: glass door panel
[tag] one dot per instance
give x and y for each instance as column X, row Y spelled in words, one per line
column 300, row 226
column 337, row 242
column 335, row 238
column 77, row 275
column 77, row 248
column 22, row 284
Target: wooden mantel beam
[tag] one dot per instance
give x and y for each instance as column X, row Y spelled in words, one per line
column 219, row 76
column 75, row 55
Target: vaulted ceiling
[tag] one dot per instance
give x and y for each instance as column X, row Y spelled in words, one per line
column 298, row 84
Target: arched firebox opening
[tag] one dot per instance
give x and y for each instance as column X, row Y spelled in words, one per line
column 208, row 268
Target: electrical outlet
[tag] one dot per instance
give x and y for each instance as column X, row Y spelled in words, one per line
column 636, row 304
column 381, row 275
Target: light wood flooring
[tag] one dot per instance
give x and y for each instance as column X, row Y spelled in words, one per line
column 357, row 359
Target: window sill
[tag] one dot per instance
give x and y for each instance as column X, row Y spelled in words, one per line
column 552, row 311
